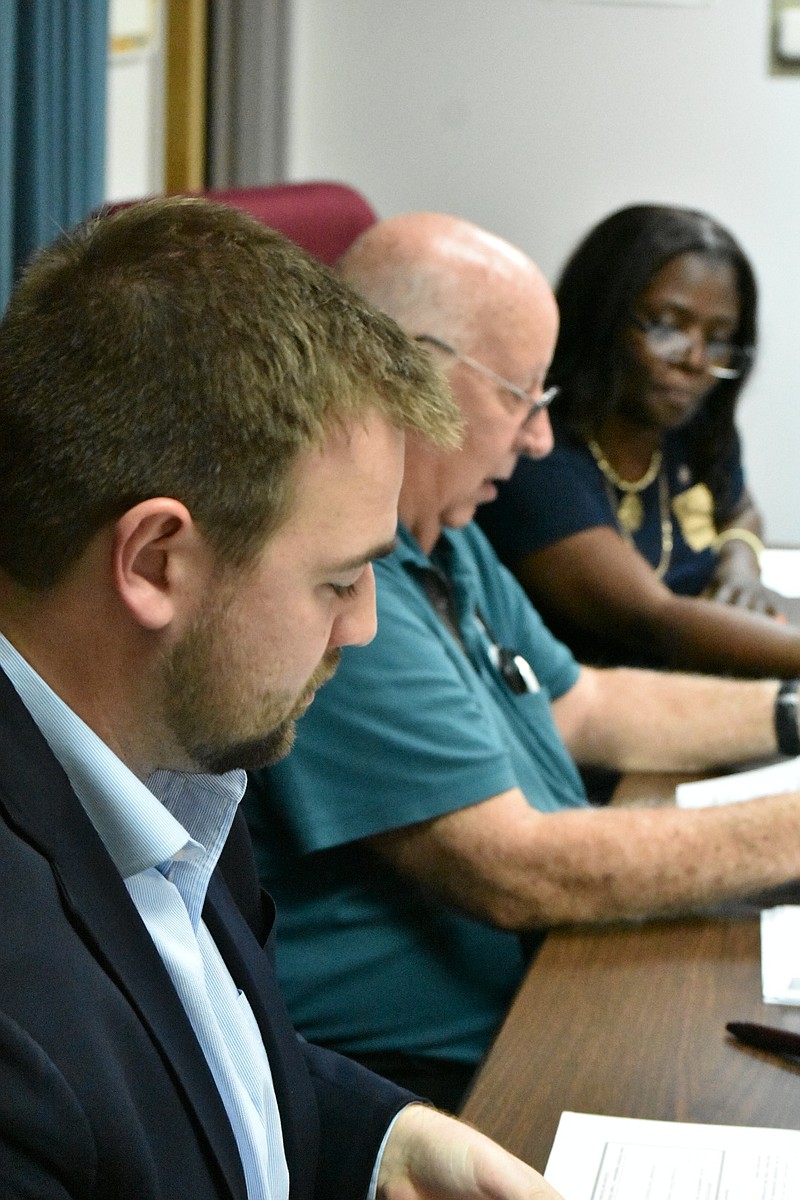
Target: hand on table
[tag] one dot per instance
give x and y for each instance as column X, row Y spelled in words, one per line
column 430, row 1156
column 744, row 592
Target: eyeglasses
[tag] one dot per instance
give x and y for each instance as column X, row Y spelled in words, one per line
column 515, row 671
column 723, row 360
column 534, row 406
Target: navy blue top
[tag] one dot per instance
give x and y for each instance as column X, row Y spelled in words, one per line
column 551, row 498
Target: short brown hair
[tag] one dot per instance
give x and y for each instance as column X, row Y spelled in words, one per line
column 180, row 348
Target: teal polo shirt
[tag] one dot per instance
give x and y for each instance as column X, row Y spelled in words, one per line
column 419, row 723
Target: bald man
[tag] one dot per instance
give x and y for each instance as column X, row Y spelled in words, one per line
column 431, row 810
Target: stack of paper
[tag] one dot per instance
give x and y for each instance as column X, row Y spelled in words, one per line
column 621, row 1158
column 780, row 570
column 744, row 785
column 780, row 954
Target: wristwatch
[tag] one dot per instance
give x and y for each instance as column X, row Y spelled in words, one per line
column 786, row 730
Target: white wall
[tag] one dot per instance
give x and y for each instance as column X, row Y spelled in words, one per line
column 538, row 117
column 135, row 99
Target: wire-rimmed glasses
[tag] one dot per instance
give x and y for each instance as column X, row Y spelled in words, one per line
column 534, row 406
column 723, row 360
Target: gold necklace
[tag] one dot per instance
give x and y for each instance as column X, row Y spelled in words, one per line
column 666, row 526
column 630, row 511
column 612, row 479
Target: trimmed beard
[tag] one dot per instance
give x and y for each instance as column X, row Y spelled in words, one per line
column 207, row 719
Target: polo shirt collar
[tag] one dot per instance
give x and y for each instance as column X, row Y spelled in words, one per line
column 409, row 551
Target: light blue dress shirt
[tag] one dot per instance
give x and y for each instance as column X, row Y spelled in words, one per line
column 165, row 839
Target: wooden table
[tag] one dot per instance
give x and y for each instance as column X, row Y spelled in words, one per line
column 630, row 1020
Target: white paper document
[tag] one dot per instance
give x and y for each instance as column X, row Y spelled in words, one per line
column 743, row 785
column 780, row 570
column 780, row 955
column 621, row 1158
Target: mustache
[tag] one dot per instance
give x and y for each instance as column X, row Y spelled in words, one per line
column 324, row 671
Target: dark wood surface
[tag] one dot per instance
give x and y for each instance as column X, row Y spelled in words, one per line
column 653, row 790
column 630, row 1021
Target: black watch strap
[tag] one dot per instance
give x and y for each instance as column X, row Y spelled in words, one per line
column 786, row 730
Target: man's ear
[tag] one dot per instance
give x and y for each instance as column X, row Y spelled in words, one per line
column 159, row 558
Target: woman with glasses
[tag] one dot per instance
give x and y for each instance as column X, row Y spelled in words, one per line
column 637, row 537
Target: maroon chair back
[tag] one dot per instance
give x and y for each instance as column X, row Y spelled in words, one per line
column 323, row 218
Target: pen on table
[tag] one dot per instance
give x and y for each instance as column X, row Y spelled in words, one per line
column 765, row 1037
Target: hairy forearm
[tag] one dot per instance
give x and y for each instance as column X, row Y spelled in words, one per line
column 600, row 865
column 654, row 721
column 512, row 866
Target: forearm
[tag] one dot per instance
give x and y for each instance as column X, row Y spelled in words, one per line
column 596, row 581
column 706, row 635
column 514, row 867
column 599, row 865
column 744, row 516
column 658, row 721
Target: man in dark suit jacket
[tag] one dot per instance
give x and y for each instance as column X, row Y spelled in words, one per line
column 201, row 441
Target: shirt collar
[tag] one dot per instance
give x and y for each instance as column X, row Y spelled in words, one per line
column 409, row 551
column 133, row 819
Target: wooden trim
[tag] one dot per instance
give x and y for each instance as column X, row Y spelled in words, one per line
column 187, row 33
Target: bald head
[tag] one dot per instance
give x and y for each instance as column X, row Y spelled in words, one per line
column 440, row 274
column 491, row 320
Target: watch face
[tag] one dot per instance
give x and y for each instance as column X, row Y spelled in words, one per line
column 787, row 733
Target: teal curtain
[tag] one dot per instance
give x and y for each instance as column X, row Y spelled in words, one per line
column 52, row 122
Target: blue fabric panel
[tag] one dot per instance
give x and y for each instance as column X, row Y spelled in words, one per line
column 8, row 79
column 53, row 81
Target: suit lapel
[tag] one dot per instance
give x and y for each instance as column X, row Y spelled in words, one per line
column 251, row 968
column 41, row 804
